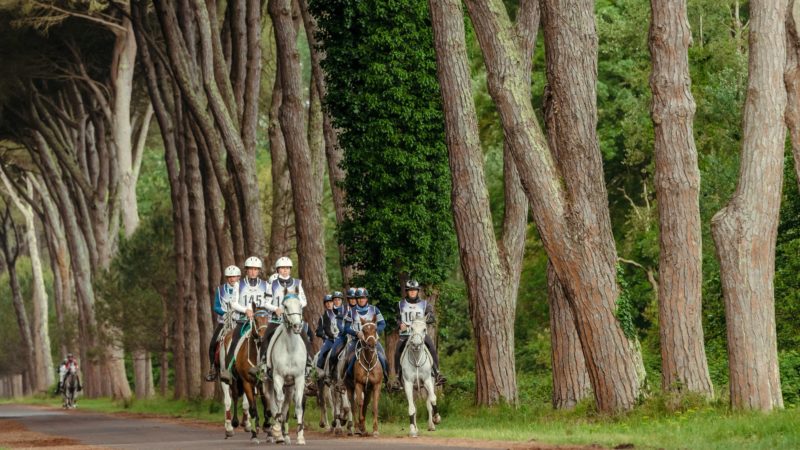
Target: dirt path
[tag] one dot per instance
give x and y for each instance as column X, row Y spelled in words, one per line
column 39, row 427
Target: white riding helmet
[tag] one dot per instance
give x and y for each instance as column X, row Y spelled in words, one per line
column 283, row 261
column 232, row 271
column 253, row 261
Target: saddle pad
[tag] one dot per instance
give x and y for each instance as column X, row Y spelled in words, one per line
column 242, row 337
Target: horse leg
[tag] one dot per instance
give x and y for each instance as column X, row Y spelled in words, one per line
column 376, row 396
column 299, row 408
column 285, row 414
column 351, row 417
column 430, row 402
column 408, row 387
column 359, row 403
column 226, row 399
column 277, row 403
column 246, row 412
column 253, row 410
column 262, row 393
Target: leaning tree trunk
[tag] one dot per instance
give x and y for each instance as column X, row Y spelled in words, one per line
column 570, row 379
column 306, row 201
column 791, row 78
column 491, row 270
column 28, row 350
column 282, row 230
column 677, row 181
column 571, row 213
column 745, row 230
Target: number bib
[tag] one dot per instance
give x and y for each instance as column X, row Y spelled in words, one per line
column 411, row 311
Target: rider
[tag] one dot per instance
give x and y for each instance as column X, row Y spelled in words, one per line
column 282, row 285
column 327, row 326
column 69, row 363
column 252, row 292
column 342, row 311
column 363, row 310
column 408, row 309
column 225, row 294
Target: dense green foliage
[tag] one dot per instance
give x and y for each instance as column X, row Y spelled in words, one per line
column 384, row 98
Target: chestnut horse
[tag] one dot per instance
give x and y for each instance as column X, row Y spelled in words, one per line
column 246, row 371
column 367, row 376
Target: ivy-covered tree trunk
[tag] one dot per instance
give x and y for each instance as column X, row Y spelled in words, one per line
column 569, row 206
column 677, row 183
column 306, row 198
column 745, row 230
column 491, row 270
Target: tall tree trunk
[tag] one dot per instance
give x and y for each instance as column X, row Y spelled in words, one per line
column 28, row 350
column 570, row 377
column 745, row 230
column 189, row 207
column 571, row 213
column 140, row 373
column 333, row 152
column 40, row 331
column 677, row 182
column 791, row 78
column 491, row 270
column 281, row 232
column 306, row 201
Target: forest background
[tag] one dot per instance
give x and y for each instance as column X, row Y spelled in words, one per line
column 144, row 265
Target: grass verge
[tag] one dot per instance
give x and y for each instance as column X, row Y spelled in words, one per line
column 694, row 425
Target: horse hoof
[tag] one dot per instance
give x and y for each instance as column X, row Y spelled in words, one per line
column 375, row 434
column 288, row 441
column 301, row 441
column 413, row 434
column 431, row 428
column 322, row 424
column 437, row 419
column 228, row 434
column 255, row 441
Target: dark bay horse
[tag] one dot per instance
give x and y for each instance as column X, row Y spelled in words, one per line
column 367, row 377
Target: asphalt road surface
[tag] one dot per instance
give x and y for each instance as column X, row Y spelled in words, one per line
column 114, row 431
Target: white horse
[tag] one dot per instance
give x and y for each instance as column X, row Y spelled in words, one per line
column 416, row 363
column 287, row 358
column 333, row 397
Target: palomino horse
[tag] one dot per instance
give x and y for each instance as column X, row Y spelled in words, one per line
column 287, row 357
column 367, row 376
column 70, row 388
column 416, row 363
column 246, row 370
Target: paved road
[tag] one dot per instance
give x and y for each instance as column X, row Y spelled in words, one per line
column 135, row 433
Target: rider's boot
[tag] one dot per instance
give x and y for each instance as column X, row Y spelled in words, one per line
column 58, row 388
column 213, row 373
column 225, row 376
column 439, row 379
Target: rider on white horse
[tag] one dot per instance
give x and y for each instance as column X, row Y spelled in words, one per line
column 408, row 309
column 282, row 285
column 69, row 363
column 224, row 295
column 363, row 310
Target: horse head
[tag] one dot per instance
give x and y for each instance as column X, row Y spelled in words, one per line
column 261, row 318
column 370, row 332
column 293, row 313
column 418, row 331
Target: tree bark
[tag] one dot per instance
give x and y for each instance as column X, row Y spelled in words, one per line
column 791, row 78
column 571, row 214
column 140, row 373
column 281, row 229
column 745, row 230
column 677, row 183
column 333, row 152
column 306, row 201
column 491, row 270
column 570, row 377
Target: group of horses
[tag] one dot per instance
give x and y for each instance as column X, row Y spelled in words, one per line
column 281, row 380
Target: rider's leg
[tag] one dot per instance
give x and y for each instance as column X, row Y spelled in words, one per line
column 398, row 352
column 271, row 329
column 213, row 370
column 62, row 371
column 382, row 359
column 350, row 357
column 440, row 379
column 323, row 353
column 333, row 356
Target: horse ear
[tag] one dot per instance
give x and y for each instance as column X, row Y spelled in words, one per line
column 362, row 320
column 374, row 319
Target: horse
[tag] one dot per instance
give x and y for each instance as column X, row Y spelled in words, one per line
column 416, row 362
column 232, row 419
column 287, row 357
column 70, row 388
column 246, row 372
column 367, row 376
column 332, row 397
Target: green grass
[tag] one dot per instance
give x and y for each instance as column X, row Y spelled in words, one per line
column 696, row 425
